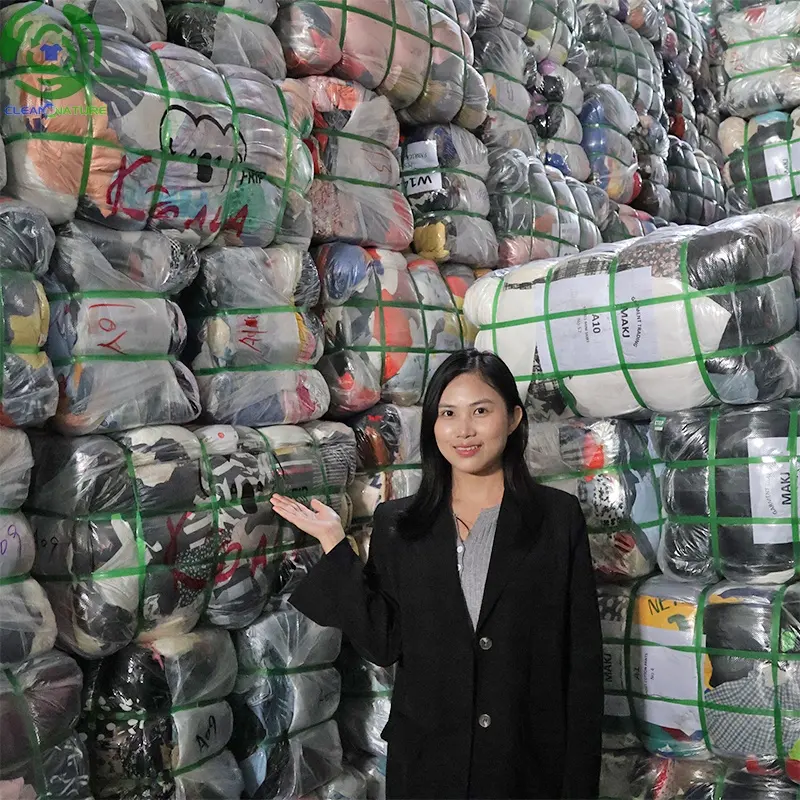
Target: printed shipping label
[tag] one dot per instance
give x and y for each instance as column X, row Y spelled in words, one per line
column 421, row 155
column 770, row 489
column 778, row 162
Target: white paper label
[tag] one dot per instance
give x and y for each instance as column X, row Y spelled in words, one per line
column 770, row 489
column 421, row 155
column 777, row 163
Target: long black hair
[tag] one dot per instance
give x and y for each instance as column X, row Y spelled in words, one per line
column 437, row 473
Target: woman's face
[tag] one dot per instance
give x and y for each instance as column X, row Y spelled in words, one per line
column 473, row 425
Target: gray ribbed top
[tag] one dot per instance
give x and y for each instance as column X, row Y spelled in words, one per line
column 473, row 559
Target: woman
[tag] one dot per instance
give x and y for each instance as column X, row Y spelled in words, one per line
column 481, row 588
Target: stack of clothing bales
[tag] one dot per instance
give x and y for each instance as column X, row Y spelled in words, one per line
column 552, row 30
column 698, row 195
column 679, row 101
column 644, row 16
column 592, row 204
column 146, row 21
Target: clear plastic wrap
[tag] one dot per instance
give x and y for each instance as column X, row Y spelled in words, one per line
column 459, row 278
column 762, row 50
column 390, row 321
column 698, row 196
column 733, row 783
column 713, row 320
column 284, row 700
column 625, row 222
column 389, row 464
column 679, row 104
column 155, row 714
column 40, row 701
column 355, row 194
column 512, row 15
column 708, row 123
column 373, row 768
column 608, row 119
column 644, row 16
column 350, row 784
column 144, row 20
column 411, row 52
column 444, row 169
column 651, row 141
column 552, row 29
column 691, row 38
column 607, row 465
column 115, row 335
column 229, row 32
column 619, row 56
column 254, row 338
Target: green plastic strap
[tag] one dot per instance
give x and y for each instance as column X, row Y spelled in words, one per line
column 285, row 737
column 107, row 294
column 138, row 532
column 793, row 478
column 162, row 166
column 441, row 170
column 215, row 523
column 123, row 716
column 564, row 392
column 369, row 695
column 627, row 661
column 776, row 645
column 250, row 312
column 429, row 350
column 32, row 734
column 206, row 371
column 713, row 425
column 275, row 671
column 699, row 661
column 120, row 357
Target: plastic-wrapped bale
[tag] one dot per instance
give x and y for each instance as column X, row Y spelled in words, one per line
column 389, row 464
column 355, row 195
column 157, row 722
column 114, row 334
column 40, row 701
column 625, row 222
column 733, row 783
column 146, row 21
column 512, row 15
column 459, row 278
column 534, row 213
column 229, row 32
column 444, row 169
column 708, row 122
column 28, row 388
column 679, row 102
column 762, row 49
column 619, row 56
column 734, row 519
column 590, row 235
column 27, row 624
column 761, row 159
column 698, row 196
column 413, row 53
column 691, row 38
column 373, row 768
column 350, row 784
column 644, row 16
column 552, row 29
column 389, row 320
column 718, row 325
column 365, row 703
column 714, row 671
column 287, row 691
column 158, row 145
column 607, row 465
column 509, row 69
column 608, row 119
column 254, row 338
column 651, row 142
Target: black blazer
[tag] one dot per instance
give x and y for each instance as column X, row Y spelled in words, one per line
column 512, row 710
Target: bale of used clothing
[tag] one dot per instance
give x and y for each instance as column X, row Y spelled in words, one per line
column 732, row 520
column 679, row 96
column 578, row 346
column 509, row 69
column 762, row 48
column 389, row 463
column 412, row 53
column 146, row 21
column 651, row 142
column 607, row 465
column 389, row 322
column 633, row 773
column 459, row 278
column 552, row 29
column 733, row 783
column 254, row 339
column 444, row 169
column 155, row 714
column 28, row 389
column 229, row 32
column 644, row 16
column 373, row 768
column 365, row 702
column 625, row 222
column 533, row 211
column 114, row 334
column 698, row 196
column 620, row 57
column 512, row 15
column 286, row 693
column 691, row 38
column 588, row 217
column 40, row 701
column 27, row 624
column 708, row 122
column 350, row 784
column 355, row 195
column 608, row 119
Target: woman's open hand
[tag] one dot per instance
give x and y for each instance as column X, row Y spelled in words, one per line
column 319, row 521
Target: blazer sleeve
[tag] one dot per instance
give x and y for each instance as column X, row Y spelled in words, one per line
column 584, row 672
column 340, row 592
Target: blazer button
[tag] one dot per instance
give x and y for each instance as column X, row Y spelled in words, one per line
column 484, row 720
column 485, row 643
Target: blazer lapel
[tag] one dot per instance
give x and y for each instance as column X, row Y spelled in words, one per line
column 517, row 530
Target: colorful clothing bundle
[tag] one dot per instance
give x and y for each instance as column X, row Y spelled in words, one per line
column 114, row 334
column 40, row 701
column 157, row 722
column 607, row 466
column 355, row 194
column 137, row 136
column 552, row 29
column 28, row 389
column 285, row 739
column 580, row 341
column 413, row 53
column 459, row 278
column 254, row 338
column 679, row 102
column 651, row 142
column 229, row 32
column 608, row 119
column 444, row 169
column 389, row 320
column 144, row 20
column 644, row 16
column 533, row 210
column 732, row 520
column 698, row 196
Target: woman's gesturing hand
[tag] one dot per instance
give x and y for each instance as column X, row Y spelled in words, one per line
column 319, row 521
